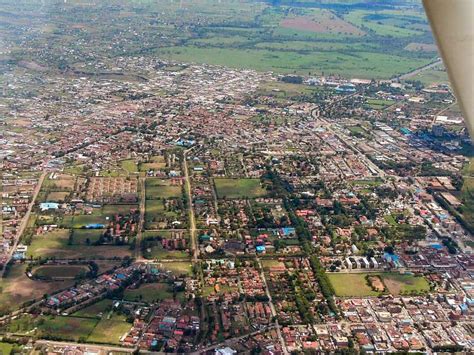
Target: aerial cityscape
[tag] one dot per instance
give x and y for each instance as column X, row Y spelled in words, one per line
column 231, row 177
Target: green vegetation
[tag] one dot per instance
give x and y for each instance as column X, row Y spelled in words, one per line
column 178, row 267
column 436, row 75
column 467, row 197
column 384, row 41
column 59, row 244
column 405, row 284
column 95, row 310
column 351, row 285
column 160, row 188
column 109, row 331
column 158, row 253
column 150, row 292
column 356, row 284
column 359, row 64
column 385, row 23
column 5, row 348
column 129, row 165
column 16, row 288
column 59, row 271
column 379, row 104
column 238, row 188
column 66, row 328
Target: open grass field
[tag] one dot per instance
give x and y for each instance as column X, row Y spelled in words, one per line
column 239, row 188
column 156, row 162
column 57, row 244
column 158, row 253
column 5, row 348
column 67, row 328
column 109, row 331
column 57, row 196
column 267, row 264
column 59, row 271
column 350, row 285
column 208, row 290
column 436, row 75
column 156, row 188
column 100, row 215
column 379, row 104
column 371, row 183
column 383, row 23
column 356, row 64
column 129, row 166
column 63, row 182
column 321, row 21
column 80, row 236
column 112, row 210
column 95, row 310
column 237, row 34
column 149, row 292
column 16, row 288
column 81, row 221
column 355, row 285
column 405, row 284
column 178, row 267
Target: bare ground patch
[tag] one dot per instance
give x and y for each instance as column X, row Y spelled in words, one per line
column 421, row 47
column 324, row 22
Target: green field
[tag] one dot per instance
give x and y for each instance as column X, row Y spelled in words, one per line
column 158, row 253
column 109, row 331
column 67, row 328
column 355, row 284
column 59, row 271
column 467, row 197
column 57, row 244
column 160, row 188
column 112, row 210
column 357, row 64
column 5, row 348
column 238, row 188
column 370, row 183
column 81, row 221
column 350, row 285
column 178, row 267
column 95, row 310
column 150, row 292
column 318, row 37
column 86, row 236
column 379, row 104
column 17, row 288
column 383, row 23
column 129, row 165
column 405, row 284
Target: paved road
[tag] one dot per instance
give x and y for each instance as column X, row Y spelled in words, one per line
column 272, row 308
column 419, row 70
column 315, row 113
column 24, row 221
column 230, row 341
column 138, row 244
column 104, row 348
column 192, row 220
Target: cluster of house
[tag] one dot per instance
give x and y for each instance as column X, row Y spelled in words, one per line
column 16, row 193
column 409, row 323
column 169, row 326
column 92, row 289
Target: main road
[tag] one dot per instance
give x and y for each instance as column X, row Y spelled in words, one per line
column 24, row 221
column 91, row 347
column 272, row 307
column 141, row 221
column 192, row 220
